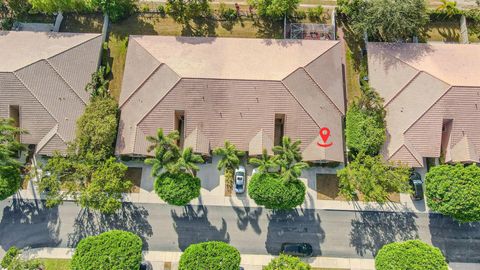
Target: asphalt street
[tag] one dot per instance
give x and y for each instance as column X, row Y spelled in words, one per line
column 251, row 230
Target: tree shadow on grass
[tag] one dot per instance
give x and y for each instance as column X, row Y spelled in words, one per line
column 459, row 242
column 268, row 28
column 371, row 230
column 294, row 226
column 130, row 218
column 192, row 226
column 28, row 223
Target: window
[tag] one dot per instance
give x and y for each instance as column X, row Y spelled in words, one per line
column 180, row 126
column 279, row 129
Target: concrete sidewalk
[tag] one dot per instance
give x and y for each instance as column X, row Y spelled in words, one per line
column 159, row 260
column 249, row 261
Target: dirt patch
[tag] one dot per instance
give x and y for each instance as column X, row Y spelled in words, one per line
column 327, row 189
column 135, row 176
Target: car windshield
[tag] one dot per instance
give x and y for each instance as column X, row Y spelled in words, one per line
column 239, row 186
column 240, row 174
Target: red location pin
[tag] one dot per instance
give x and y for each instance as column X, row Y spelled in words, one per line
column 324, row 134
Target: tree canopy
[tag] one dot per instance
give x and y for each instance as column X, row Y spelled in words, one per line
column 116, row 9
column 213, row 255
column 288, row 158
column 412, row 254
column 275, row 9
column 110, row 250
column 386, row 20
column 374, row 178
column 10, row 179
column 52, row 6
column 286, row 262
column 88, row 171
column 271, row 191
column 365, row 124
column 177, row 188
column 454, row 191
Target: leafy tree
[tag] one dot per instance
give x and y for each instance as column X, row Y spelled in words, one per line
column 98, row 85
column 110, row 250
column 11, row 253
column 182, row 11
column 286, row 262
column 412, row 254
column 373, row 178
column 454, row 191
column 264, row 163
column 87, row 171
column 52, row 6
column 288, row 157
column 271, row 191
column 166, row 151
column 116, row 9
column 97, row 129
column 230, row 160
column 187, row 162
column 211, row 255
column 365, row 124
column 10, row 179
column 104, row 191
column 17, row 7
column 177, row 188
column 386, row 20
column 275, row 9
column 449, row 8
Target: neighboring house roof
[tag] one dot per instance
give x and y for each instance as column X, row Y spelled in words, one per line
column 45, row 75
column 231, row 89
column 424, row 85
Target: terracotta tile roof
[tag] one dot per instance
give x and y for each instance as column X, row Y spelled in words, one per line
column 259, row 142
column 198, row 142
column 464, row 151
column 231, row 89
column 45, row 75
column 423, row 85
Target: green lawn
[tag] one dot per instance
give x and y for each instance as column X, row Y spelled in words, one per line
column 56, row 264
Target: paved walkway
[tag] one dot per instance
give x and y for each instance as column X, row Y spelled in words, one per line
column 159, row 259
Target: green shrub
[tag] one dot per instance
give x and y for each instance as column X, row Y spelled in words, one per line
column 300, row 15
column 364, row 131
column 271, row 191
column 212, row 255
column 12, row 252
column 162, row 11
column 286, row 262
column 410, row 255
column 113, row 250
column 145, row 8
column 454, row 191
column 226, row 13
column 177, row 188
column 117, row 9
column 315, row 14
column 10, row 181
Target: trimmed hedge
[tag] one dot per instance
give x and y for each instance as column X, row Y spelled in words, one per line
column 177, row 189
column 454, row 191
column 212, row 255
column 287, row 262
column 113, row 250
column 269, row 190
column 410, row 255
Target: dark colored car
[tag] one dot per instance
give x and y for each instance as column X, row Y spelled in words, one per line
column 417, row 186
column 297, row 249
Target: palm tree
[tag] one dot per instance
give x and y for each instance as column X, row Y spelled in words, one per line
column 230, row 160
column 188, row 162
column 449, row 8
column 264, row 163
column 289, row 158
column 166, row 151
column 288, row 151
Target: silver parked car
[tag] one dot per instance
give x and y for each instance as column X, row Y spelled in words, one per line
column 240, row 179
